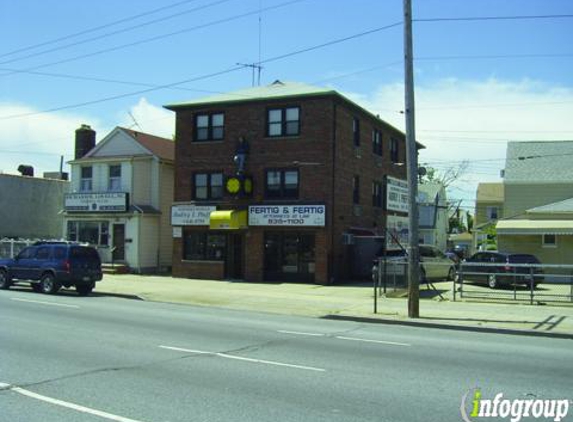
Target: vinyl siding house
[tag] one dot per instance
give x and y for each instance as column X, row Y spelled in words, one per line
column 433, row 215
column 122, row 190
column 538, row 205
column 489, row 209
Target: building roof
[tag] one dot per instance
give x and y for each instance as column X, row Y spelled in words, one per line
column 539, row 161
column 162, row 147
column 428, row 192
column 561, row 207
column 276, row 90
column 490, row 192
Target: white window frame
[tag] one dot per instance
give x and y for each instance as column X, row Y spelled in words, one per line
column 546, row 244
column 114, row 183
column 86, row 183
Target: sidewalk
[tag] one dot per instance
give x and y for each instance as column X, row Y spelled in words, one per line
column 354, row 302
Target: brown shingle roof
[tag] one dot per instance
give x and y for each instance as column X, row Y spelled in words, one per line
column 162, row 147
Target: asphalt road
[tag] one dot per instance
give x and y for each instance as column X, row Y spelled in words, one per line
column 66, row 358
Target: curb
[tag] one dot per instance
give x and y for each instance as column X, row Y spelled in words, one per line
column 508, row 331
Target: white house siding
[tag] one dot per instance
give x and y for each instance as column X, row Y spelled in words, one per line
column 148, row 244
column 120, row 145
column 165, row 231
column 132, row 248
column 141, row 182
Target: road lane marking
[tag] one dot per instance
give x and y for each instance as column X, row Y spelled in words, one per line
column 67, row 405
column 298, row 333
column 45, row 303
column 391, row 343
column 227, row 356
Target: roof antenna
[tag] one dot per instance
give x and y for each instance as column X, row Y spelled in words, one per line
column 134, row 121
column 256, row 66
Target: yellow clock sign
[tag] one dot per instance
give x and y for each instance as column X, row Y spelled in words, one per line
column 236, row 185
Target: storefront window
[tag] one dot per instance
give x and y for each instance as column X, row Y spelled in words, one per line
column 204, row 246
column 92, row 232
column 289, row 257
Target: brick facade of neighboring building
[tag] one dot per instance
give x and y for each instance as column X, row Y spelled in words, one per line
column 318, row 144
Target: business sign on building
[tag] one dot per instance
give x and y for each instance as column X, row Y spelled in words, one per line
column 287, row 215
column 398, row 232
column 191, row 215
column 96, row 202
column 396, row 195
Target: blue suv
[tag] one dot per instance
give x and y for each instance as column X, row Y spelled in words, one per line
column 48, row 266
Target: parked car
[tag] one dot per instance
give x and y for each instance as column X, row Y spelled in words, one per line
column 499, row 268
column 434, row 264
column 48, row 266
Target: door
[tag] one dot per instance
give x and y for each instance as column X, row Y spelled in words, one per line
column 289, row 257
column 118, row 253
column 21, row 268
column 234, row 264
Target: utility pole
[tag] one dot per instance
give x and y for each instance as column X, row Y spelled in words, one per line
column 412, row 162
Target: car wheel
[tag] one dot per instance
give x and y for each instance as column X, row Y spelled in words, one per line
column 491, row 281
column 83, row 289
column 451, row 274
column 4, row 280
column 49, row 285
column 37, row 287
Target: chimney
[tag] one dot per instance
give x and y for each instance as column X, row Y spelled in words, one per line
column 26, row 170
column 85, row 141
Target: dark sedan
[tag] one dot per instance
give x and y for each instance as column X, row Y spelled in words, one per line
column 499, row 268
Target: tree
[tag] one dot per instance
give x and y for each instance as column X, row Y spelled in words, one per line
column 447, row 177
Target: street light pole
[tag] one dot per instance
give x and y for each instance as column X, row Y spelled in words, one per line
column 412, row 169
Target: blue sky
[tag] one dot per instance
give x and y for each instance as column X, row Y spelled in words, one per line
column 479, row 83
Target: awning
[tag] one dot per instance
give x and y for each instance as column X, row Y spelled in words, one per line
column 524, row 227
column 228, row 220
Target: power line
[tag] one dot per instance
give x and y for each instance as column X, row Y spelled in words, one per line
column 119, row 31
column 158, row 37
column 206, row 76
column 96, row 28
column 493, row 18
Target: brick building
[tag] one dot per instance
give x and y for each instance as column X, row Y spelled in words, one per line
column 272, row 183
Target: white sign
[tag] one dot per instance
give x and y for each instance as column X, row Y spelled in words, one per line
column 177, row 232
column 397, row 195
column 287, row 215
column 398, row 232
column 96, row 202
column 191, row 215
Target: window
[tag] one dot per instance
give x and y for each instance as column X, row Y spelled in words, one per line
column 209, row 127
column 356, row 190
column 377, row 194
column 549, row 241
column 281, row 184
column 208, row 186
column 43, row 253
column 204, row 246
column 377, row 142
column 92, row 232
column 492, row 213
column 356, row 132
column 283, row 121
column 394, row 150
column 114, row 184
column 86, row 179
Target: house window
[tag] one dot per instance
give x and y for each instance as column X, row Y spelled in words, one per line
column 356, row 132
column 377, row 194
column 356, row 190
column 204, row 246
column 209, row 127
column 281, row 184
column 394, row 151
column 92, row 232
column 208, row 186
column 377, row 142
column 86, row 179
column 114, row 184
column 492, row 213
column 549, row 241
column 283, row 121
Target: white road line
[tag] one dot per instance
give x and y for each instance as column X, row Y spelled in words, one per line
column 298, row 333
column 226, row 356
column 68, row 405
column 45, row 303
column 391, row 343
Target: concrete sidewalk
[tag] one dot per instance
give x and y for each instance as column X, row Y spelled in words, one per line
column 354, row 302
